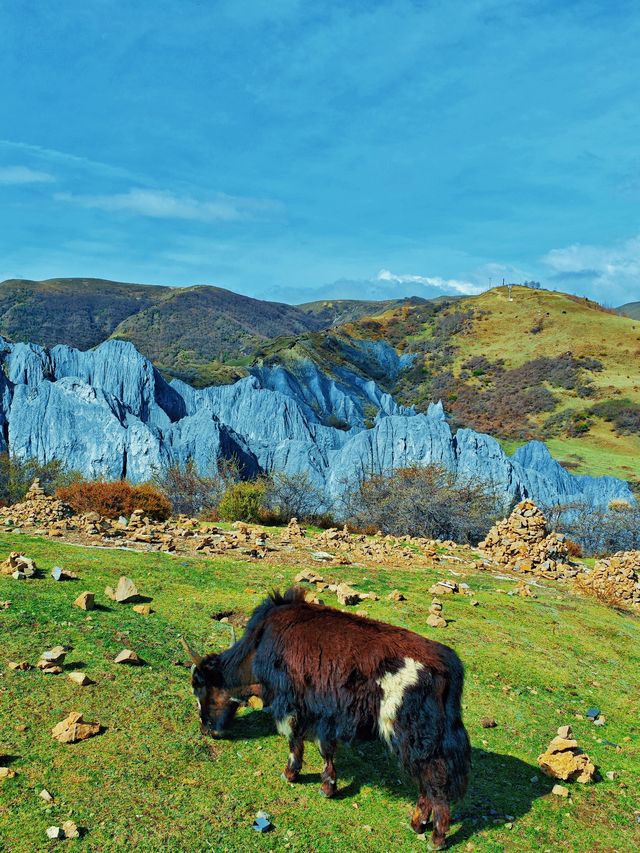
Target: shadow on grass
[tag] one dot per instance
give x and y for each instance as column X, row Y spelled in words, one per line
column 500, row 786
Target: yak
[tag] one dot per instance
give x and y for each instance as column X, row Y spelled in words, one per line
column 331, row 676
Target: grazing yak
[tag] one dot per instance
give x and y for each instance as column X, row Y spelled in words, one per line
column 332, row 676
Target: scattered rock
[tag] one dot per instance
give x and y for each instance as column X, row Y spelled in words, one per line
column 308, row 576
column 444, row 588
column 560, row 791
column 70, row 829
column 488, row 723
column 128, row 657
column 563, row 759
column 7, row 773
column 60, row 574
column 49, row 668
column 125, row 591
column 85, row 601
column 73, row 728
column 262, row 823
column 322, row 556
column 142, row 609
column 593, row 714
column 55, row 655
column 45, row 795
column 348, row 596
column 80, row 678
column 611, row 775
column 396, row 595
column 54, row 833
column 22, row 665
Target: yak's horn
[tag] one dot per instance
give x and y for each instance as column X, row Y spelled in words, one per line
column 194, row 657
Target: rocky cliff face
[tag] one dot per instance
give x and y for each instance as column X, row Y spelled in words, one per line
column 109, row 413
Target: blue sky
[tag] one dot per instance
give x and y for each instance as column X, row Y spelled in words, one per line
column 291, row 150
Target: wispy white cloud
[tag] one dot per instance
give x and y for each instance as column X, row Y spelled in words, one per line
column 609, row 273
column 17, row 175
column 446, row 285
column 64, row 158
column 161, row 204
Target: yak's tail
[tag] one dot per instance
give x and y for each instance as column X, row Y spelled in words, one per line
column 456, row 749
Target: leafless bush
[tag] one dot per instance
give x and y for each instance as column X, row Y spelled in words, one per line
column 293, row 495
column 424, row 501
column 598, row 530
column 191, row 493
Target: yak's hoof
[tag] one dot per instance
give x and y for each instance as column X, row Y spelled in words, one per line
column 432, row 845
column 289, row 776
column 328, row 789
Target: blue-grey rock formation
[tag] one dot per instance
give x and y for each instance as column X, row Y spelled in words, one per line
column 108, row 413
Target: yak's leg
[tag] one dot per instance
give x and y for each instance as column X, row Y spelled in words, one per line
column 421, row 814
column 294, row 764
column 329, row 777
column 441, row 822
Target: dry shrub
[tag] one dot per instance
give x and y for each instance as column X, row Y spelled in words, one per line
column 115, row 498
column 574, row 549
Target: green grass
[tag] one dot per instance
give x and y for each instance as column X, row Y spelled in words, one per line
column 150, row 782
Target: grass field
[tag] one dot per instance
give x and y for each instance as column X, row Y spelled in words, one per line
column 151, row 782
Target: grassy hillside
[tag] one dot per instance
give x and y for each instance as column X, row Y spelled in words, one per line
column 335, row 312
column 151, row 782
column 81, row 312
column 199, row 333
column 539, row 365
column 543, row 365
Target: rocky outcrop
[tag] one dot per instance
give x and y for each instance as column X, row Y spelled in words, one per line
column 109, row 413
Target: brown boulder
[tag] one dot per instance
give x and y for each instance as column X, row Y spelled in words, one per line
column 73, row 728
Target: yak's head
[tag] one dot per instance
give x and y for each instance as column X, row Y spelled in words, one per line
column 217, row 701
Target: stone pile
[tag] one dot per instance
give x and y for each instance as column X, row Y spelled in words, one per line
column 37, row 508
column 615, row 580
column 563, row 759
column 524, row 543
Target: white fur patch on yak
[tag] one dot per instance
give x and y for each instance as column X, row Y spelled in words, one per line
column 285, row 726
column 394, row 685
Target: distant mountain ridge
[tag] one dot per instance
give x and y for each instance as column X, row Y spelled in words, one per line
column 630, row 309
column 201, row 334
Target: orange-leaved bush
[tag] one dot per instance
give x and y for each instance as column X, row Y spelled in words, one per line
column 115, row 498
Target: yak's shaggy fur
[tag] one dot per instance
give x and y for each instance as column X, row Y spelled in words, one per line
column 333, row 676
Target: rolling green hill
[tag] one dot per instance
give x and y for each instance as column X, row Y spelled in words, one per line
column 80, row 312
column 207, row 334
column 335, row 312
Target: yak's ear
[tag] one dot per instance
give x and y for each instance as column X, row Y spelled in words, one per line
column 196, row 658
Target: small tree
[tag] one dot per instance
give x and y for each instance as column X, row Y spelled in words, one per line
column 16, row 475
column 244, row 502
column 192, row 493
column 293, row 495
